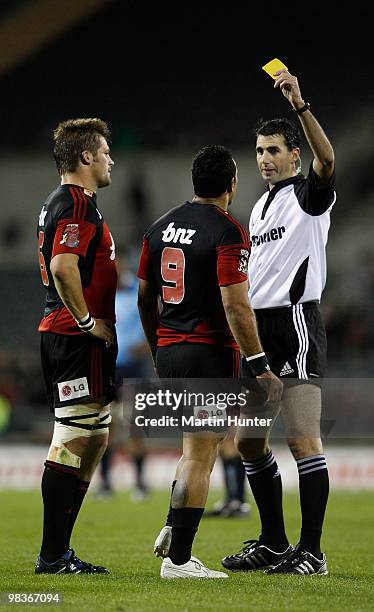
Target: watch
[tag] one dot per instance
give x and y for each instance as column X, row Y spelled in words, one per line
column 302, row 110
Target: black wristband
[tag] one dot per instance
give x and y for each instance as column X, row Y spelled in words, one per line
column 302, row 110
column 259, row 365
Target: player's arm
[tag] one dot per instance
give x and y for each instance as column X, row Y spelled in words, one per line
column 242, row 322
column 324, row 160
column 65, row 271
column 148, row 312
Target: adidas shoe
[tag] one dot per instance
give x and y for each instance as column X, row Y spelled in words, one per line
column 192, row 569
column 69, row 563
column 162, row 542
column 301, row 562
column 254, row 556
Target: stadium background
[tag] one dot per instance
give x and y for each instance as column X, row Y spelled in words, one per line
column 170, row 79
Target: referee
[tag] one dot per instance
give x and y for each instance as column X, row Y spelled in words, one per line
column 288, row 228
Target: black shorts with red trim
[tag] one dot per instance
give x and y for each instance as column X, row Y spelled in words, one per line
column 204, row 369
column 77, row 369
column 294, row 340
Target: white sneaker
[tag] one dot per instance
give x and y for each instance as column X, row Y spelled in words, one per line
column 192, row 569
column 162, row 542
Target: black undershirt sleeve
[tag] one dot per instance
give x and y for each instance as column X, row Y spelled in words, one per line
column 313, row 199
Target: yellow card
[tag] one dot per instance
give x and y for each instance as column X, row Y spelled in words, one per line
column 273, row 66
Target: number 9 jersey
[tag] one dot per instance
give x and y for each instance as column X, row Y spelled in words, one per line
column 189, row 253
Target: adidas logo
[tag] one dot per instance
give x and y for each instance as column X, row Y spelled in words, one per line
column 286, row 370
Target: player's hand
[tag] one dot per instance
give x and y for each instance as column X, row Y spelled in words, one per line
column 289, row 87
column 103, row 330
column 272, row 385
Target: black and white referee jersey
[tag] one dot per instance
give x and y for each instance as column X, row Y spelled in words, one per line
column 288, row 230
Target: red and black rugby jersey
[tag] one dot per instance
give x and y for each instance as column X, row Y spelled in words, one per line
column 190, row 253
column 70, row 222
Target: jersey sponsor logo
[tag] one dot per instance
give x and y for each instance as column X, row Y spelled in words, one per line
column 243, row 261
column 286, row 370
column 177, row 234
column 70, row 237
column 274, row 234
column 71, row 389
column 42, row 215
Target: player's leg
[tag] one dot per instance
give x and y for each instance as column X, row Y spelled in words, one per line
column 93, row 449
column 162, row 542
column 70, row 365
column 233, row 505
column 199, row 454
column 138, row 454
column 188, row 501
column 301, row 416
column 79, row 439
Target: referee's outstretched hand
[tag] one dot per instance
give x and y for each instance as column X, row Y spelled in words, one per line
column 289, row 87
column 103, row 330
column 272, row 385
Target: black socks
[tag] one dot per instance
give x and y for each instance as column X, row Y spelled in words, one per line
column 185, row 524
column 266, row 484
column 58, row 490
column 314, row 492
column 79, row 495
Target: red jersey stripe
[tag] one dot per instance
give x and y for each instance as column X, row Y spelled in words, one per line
column 71, row 189
column 242, row 230
column 85, row 204
column 80, row 199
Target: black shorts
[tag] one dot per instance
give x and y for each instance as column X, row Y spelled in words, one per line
column 185, row 360
column 203, row 369
column 77, row 369
column 294, row 340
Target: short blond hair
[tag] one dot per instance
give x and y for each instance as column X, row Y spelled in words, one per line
column 73, row 136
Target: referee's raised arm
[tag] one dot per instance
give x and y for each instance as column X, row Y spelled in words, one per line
column 324, row 160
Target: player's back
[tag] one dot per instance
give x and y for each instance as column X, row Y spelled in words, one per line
column 188, row 250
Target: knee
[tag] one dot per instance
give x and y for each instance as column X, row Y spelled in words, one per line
column 251, row 448
column 305, row 447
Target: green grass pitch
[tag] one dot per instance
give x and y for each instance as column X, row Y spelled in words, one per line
column 120, row 535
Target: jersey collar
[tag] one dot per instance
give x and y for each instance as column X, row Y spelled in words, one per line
column 277, row 187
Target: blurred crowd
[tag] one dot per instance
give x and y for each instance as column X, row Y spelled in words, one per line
column 348, row 310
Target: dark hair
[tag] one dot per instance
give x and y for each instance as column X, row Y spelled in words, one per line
column 73, row 136
column 212, row 171
column 284, row 127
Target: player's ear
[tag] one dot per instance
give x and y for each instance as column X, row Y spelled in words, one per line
column 85, row 158
column 233, row 184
